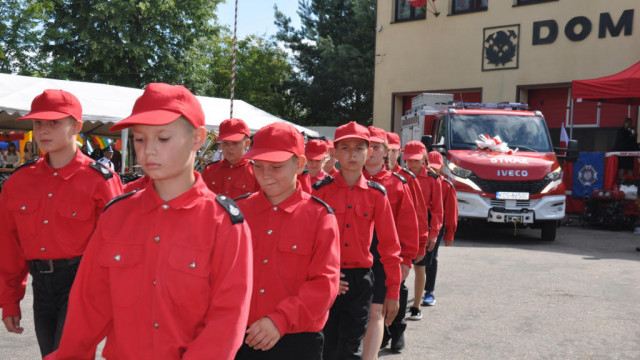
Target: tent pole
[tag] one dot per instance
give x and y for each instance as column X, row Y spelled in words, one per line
column 124, row 139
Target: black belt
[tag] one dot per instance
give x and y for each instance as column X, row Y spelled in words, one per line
column 50, row 266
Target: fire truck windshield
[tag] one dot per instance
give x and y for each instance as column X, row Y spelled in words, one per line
column 528, row 133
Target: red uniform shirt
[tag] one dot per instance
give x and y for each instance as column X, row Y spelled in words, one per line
column 333, row 172
column 450, row 201
column 319, row 176
column 48, row 214
column 305, row 181
column 296, row 261
column 162, row 280
column 432, row 194
column 357, row 208
column 403, row 211
column 420, row 206
column 136, row 184
column 230, row 180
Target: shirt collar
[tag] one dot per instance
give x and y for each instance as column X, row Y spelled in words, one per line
column 361, row 183
column 186, row 200
column 289, row 205
column 227, row 164
column 377, row 177
column 65, row 172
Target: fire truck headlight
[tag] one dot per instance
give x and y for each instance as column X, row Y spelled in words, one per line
column 555, row 174
column 459, row 171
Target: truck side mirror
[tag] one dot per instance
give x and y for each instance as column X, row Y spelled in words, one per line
column 572, row 151
column 427, row 141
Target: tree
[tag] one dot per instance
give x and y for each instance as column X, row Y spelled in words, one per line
column 20, row 35
column 130, row 43
column 334, row 51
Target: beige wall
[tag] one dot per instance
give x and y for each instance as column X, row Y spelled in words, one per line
column 445, row 52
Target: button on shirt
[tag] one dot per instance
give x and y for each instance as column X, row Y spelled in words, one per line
column 432, row 194
column 48, row 214
column 230, row 180
column 357, row 208
column 403, row 211
column 420, row 206
column 296, row 261
column 171, row 281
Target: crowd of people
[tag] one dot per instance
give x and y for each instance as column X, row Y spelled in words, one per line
column 278, row 250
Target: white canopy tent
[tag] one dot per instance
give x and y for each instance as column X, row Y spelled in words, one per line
column 104, row 105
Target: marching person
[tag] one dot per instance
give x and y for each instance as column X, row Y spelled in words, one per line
column 296, row 253
column 232, row 176
column 173, row 279
column 359, row 205
column 406, row 224
column 415, row 156
column 330, row 165
column 316, row 152
column 48, row 211
column 450, row 209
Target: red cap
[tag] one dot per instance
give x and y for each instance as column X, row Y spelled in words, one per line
column 276, row 142
column 352, row 130
column 434, row 160
column 233, row 130
column 316, row 150
column 330, row 144
column 54, row 105
column 161, row 104
column 377, row 135
column 414, row 150
column 394, row 141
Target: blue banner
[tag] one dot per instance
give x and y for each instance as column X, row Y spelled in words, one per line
column 588, row 174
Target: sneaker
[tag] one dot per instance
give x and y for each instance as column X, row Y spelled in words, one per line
column 429, row 299
column 415, row 313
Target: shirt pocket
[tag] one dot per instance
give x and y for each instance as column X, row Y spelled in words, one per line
column 364, row 215
column 123, row 260
column 294, row 254
column 187, row 279
column 25, row 211
column 77, row 222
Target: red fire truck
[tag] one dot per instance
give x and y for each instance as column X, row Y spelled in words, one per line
column 522, row 185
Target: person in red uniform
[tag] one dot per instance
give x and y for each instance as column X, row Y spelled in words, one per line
column 406, row 224
column 415, row 155
column 416, row 192
column 316, row 152
column 173, row 279
column 450, row 207
column 330, row 166
column 48, row 211
column 358, row 205
column 296, row 253
column 233, row 175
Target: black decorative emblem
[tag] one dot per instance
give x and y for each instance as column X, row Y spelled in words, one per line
column 500, row 48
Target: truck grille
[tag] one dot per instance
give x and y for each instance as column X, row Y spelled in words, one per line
column 492, row 186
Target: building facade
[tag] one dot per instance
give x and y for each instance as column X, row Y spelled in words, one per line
column 525, row 51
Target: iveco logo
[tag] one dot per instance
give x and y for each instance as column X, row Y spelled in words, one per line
column 513, row 173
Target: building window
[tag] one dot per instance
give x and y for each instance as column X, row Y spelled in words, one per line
column 407, row 12
column 467, row 6
column 529, row 2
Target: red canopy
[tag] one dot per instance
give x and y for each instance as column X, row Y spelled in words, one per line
column 623, row 87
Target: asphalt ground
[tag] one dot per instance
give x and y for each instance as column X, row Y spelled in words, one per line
column 501, row 296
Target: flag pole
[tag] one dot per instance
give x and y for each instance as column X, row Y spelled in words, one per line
column 233, row 61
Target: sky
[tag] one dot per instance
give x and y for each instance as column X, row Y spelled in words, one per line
column 256, row 16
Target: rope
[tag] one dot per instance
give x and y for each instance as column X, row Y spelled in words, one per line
column 233, row 61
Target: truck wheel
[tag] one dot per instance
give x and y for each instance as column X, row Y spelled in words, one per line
column 549, row 230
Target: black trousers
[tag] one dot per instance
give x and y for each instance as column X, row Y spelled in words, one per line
column 349, row 317
column 399, row 324
column 50, row 300
column 290, row 347
column 432, row 264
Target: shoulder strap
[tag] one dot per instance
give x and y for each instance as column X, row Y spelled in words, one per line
column 118, row 198
column 231, row 207
column 305, row 171
column 377, row 186
column 404, row 181
column 409, row 172
column 433, row 175
column 329, row 209
column 103, row 170
column 243, row 196
column 320, row 183
column 448, row 181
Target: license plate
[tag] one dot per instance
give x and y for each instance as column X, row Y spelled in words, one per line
column 502, row 195
column 510, row 218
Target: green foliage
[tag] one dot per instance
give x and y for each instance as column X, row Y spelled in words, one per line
column 334, row 51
